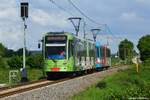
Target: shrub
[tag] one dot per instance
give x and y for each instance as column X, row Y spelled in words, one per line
column 35, row 61
column 144, row 47
column 3, row 63
column 15, row 62
column 101, row 85
column 147, row 62
column 132, row 92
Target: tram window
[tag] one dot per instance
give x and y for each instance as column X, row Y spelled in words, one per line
column 97, row 50
column 70, row 49
column 56, row 52
column 102, row 52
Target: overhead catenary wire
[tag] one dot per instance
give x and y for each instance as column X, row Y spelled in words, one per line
column 90, row 19
column 82, row 13
column 61, row 8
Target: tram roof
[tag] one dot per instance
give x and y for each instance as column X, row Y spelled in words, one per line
column 71, row 35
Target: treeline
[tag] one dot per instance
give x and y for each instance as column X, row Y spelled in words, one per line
column 13, row 59
column 127, row 52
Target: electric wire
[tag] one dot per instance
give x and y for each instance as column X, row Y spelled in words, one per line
column 83, row 14
column 62, row 8
column 90, row 19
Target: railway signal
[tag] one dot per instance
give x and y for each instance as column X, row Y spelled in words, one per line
column 76, row 23
column 24, row 16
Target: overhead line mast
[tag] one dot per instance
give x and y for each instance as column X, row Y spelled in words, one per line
column 90, row 19
column 83, row 14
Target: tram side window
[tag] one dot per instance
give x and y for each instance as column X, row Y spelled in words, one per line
column 70, row 49
column 97, row 52
column 101, row 52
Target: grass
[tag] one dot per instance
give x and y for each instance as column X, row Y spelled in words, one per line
column 123, row 85
column 32, row 74
column 115, row 61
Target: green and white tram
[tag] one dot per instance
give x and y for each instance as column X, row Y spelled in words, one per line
column 64, row 53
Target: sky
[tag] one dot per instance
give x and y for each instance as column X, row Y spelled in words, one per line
column 125, row 18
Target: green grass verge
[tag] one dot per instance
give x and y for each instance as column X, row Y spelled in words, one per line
column 33, row 74
column 123, row 85
column 115, row 61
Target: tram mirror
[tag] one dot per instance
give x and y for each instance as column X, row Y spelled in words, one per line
column 39, row 45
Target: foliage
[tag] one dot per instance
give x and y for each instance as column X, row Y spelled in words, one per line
column 2, row 49
column 32, row 74
column 15, row 62
column 126, row 49
column 101, row 85
column 144, row 47
column 3, row 63
column 133, row 92
column 147, row 62
column 9, row 52
column 121, row 86
column 35, row 61
column 19, row 52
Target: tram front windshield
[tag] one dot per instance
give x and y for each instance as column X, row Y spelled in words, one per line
column 58, row 52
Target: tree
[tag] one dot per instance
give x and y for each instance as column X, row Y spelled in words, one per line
column 19, row 52
column 3, row 63
column 144, row 47
column 2, row 49
column 126, row 50
column 35, row 61
column 15, row 62
column 9, row 53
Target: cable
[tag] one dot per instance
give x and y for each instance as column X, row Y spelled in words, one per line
column 58, row 6
column 78, row 9
column 90, row 19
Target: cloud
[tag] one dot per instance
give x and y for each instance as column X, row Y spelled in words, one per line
column 47, row 19
column 10, row 27
column 130, row 17
column 145, row 2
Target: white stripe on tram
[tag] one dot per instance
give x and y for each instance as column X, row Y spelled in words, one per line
column 55, row 45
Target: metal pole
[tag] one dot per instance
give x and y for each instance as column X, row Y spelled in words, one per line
column 24, row 15
column 24, row 46
column 84, row 25
column 24, row 72
column 75, row 26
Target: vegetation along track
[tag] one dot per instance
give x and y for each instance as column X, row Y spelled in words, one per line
column 7, row 91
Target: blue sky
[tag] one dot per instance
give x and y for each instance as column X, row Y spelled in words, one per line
column 126, row 19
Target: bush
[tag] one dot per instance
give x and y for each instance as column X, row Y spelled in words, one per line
column 101, row 85
column 144, row 47
column 35, row 61
column 147, row 62
column 3, row 63
column 15, row 62
column 133, row 92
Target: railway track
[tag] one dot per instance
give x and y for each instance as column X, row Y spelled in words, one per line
column 7, row 91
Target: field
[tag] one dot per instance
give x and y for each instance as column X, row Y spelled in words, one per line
column 123, row 85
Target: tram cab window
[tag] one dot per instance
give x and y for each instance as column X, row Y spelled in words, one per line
column 56, row 52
